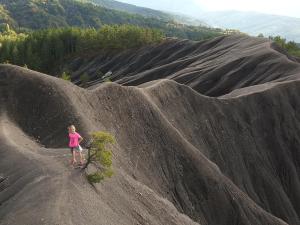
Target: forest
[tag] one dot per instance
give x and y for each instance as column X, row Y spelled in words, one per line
column 42, row 49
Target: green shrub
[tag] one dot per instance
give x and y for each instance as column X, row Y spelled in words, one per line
column 65, row 76
column 96, row 177
column 101, row 156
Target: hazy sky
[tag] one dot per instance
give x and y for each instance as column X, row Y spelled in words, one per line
column 286, row 7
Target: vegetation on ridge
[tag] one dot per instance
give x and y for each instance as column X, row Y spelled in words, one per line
column 292, row 47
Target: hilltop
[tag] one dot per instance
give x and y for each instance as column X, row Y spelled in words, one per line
column 31, row 14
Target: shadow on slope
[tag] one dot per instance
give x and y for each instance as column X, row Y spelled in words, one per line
column 213, row 67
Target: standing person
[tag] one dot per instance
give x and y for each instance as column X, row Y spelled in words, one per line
column 74, row 141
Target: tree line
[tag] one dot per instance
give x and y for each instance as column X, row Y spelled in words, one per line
column 291, row 47
column 42, row 49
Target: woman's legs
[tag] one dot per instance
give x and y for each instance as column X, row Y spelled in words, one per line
column 72, row 150
column 74, row 157
column 81, row 157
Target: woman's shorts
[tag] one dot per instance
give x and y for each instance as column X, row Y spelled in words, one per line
column 76, row 149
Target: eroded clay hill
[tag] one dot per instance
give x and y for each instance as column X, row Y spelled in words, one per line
column 180, row 157
column 214, row 67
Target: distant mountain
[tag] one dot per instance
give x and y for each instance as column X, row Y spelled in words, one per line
column 255, row 23
column 147, row 12
column 40, row 14
column 187, row 7
column 252, row 23
column 37, row 14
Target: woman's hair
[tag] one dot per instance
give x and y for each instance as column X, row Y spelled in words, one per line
column 71, row 126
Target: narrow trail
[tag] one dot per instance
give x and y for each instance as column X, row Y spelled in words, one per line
column 54, row 168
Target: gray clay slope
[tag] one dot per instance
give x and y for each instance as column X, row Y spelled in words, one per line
column 213, row 67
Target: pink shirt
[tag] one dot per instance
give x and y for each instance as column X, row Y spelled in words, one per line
column 74, row 137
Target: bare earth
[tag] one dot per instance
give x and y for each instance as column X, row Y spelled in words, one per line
column 180, row 158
